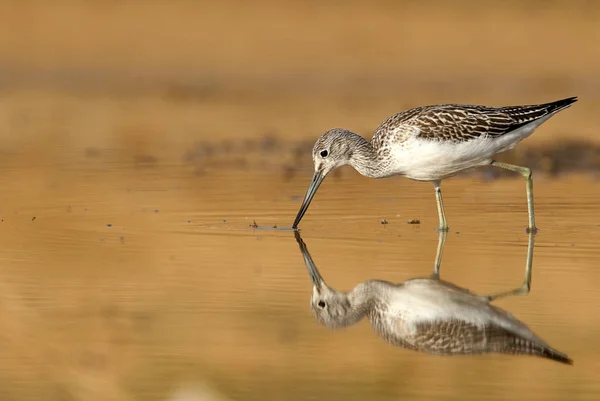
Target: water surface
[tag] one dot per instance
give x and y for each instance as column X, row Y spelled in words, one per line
column 150, row 283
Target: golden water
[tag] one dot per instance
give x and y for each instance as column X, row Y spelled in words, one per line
column 128, row 267
column 180, row 291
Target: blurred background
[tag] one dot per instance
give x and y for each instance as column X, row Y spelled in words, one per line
column 139, row 140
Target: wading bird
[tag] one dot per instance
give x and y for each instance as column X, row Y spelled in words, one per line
column 431, row 143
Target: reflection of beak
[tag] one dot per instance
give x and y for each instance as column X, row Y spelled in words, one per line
column 317, row 179
column 316, row 278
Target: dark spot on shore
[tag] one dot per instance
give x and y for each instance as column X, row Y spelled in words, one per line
column 92, row 152
column 145, row 160
column 269, row 142
column 292, row 158
column 288, row 172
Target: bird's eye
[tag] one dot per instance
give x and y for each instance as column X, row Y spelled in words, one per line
column 321, row 304
column 324, row 153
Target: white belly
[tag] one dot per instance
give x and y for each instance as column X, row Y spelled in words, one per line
column 426, row 300
column 426, row 160
column 431, row 160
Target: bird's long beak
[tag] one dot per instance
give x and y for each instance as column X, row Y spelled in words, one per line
column 314, row 274
column 317, row 179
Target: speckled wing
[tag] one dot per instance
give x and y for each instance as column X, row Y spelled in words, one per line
column 461, row 123
column 458, row 337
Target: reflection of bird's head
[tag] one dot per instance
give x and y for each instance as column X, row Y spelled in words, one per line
column 331, row 308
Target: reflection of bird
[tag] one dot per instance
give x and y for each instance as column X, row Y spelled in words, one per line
column 428, row 315
column 431, row 143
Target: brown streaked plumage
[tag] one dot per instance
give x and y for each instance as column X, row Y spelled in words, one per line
column 432, row 143
column 429, row 314
column 461, row 123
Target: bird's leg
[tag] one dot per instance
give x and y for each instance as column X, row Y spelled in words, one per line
column 526, row 286
column 438, row 256
column 525, row 172
column 440, row 206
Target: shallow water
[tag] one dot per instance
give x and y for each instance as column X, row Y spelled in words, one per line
column 150, row 283
column 140, row 142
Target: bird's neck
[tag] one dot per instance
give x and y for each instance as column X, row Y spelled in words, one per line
column 364, row 298
column 363, row 157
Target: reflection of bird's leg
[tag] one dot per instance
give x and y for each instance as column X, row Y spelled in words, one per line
column 438, row 256
column 526, row 286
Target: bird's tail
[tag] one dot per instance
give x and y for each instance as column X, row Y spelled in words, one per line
column 554, row 107
column 556, row 356
column 526, row 347
column 523, row 115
